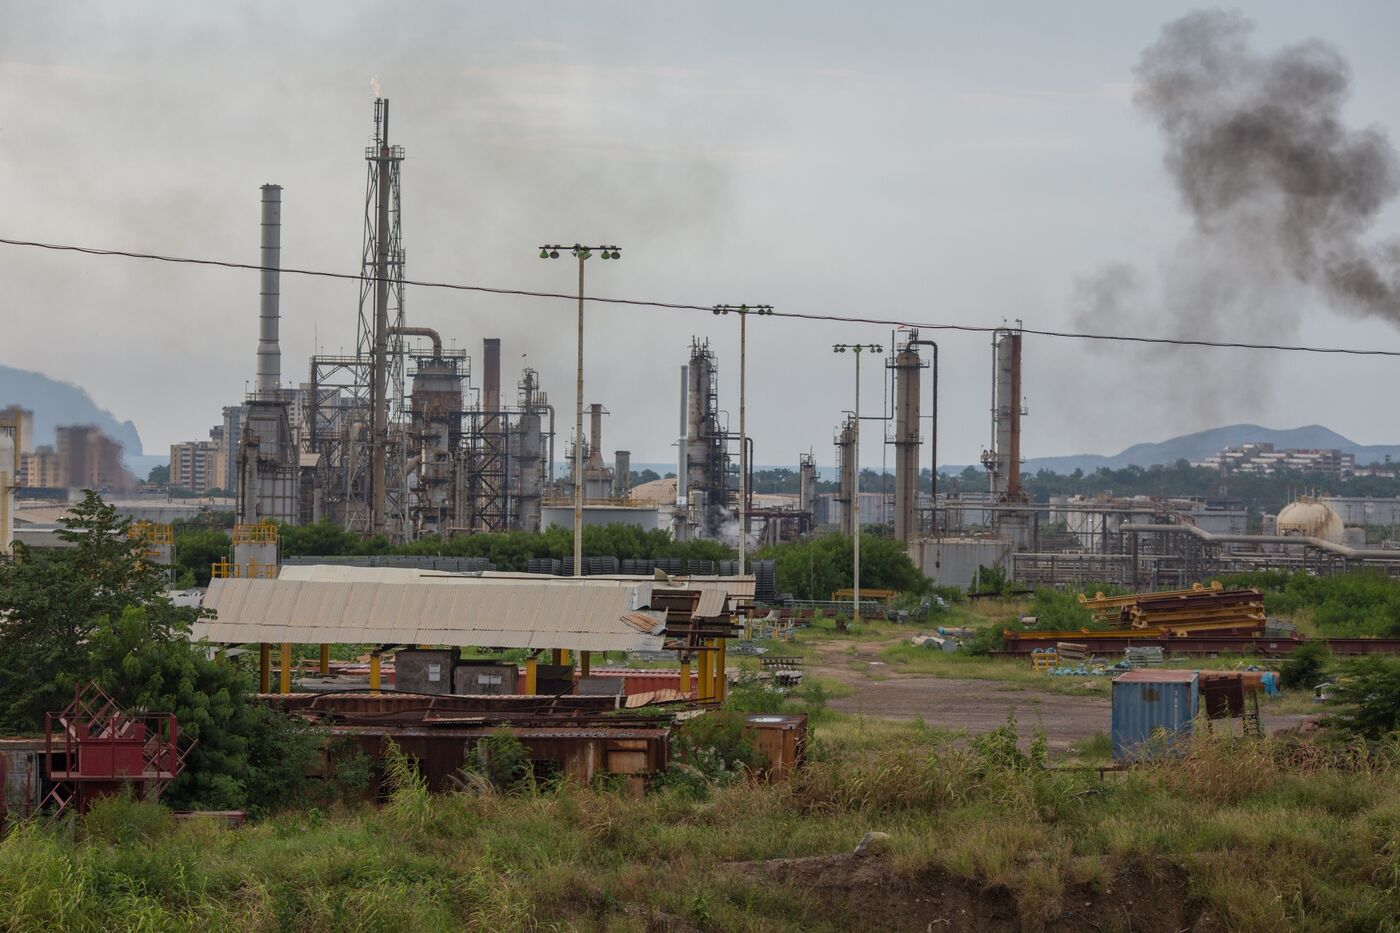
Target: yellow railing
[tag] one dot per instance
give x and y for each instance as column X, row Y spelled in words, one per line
column 261, row 533
column 250, row 571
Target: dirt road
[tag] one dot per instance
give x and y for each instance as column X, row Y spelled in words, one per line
column 971, row 705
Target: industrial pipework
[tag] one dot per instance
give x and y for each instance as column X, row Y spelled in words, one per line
column 421, row 332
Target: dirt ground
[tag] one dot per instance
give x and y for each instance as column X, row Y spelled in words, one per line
column 866, row 891
column 971, row 705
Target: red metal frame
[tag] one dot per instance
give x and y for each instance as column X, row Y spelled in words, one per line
column 94, row 748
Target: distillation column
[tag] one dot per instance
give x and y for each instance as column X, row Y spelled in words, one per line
column 906, row 442
column 846, row 468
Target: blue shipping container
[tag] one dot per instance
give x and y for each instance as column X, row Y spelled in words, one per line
column 1148, row 703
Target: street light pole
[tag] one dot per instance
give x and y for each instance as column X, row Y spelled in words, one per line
column 857, row 349
column 743, row 312
column 582, row 253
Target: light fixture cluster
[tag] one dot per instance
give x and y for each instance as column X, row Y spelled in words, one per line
column 743, row 309
column 582, row 252
column 857, row 347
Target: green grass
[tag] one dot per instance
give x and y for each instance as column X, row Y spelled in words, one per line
column 906, row 658
column 1270, row 836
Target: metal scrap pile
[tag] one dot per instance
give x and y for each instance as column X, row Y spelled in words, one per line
column 1179, row 612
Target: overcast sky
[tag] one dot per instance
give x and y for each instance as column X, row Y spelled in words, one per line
column 936, row 162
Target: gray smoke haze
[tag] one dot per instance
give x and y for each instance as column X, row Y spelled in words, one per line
column 1280, row 190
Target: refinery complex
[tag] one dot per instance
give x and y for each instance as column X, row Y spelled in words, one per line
column 407, row 439
column 467, row 599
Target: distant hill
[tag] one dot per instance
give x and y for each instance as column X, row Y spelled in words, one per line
column 1208, row 443
column 57, row 403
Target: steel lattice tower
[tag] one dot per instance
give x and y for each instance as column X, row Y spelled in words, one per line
column 378, row 343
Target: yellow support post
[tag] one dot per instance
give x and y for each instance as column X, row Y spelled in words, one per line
column 584, row 663
column 685, row 678
column 531, row 676
column 264, row 668
column 325, row 660
column 721, row 685
column 286, row 667
column 374, row 671
column 706, row 679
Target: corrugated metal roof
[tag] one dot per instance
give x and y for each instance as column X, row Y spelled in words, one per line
column 735, row 587
column 513, row 616
column 713, row 603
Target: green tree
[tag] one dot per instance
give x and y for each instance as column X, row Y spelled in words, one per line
column 1368, row 692
column 1305, row 665
column 159, row 475
column 196, row 548
column 97, row 611
column 51, row 600
column 245, row 754
column 321, row 539
column 814, row 568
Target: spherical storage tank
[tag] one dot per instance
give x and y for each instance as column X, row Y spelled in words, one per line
column 1311, row 519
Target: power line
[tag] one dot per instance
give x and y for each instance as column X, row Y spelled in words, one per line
column 678, row 306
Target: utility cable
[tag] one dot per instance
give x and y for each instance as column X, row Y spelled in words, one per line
column 678, row 306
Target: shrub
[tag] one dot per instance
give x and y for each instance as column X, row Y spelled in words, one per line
column 751, row 695
column 1305, row 666
column 983, row 642
column 723, row 732
column 350, row 770
column 501, row 759
column 409, row 802
column 1368, row 690
column 122, row 820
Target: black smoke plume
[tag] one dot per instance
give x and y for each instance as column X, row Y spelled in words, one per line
column 1281, row 191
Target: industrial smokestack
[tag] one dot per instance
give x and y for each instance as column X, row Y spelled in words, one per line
column 622, row 471
column 595, row 436
column 491, row 375
column 269, row 353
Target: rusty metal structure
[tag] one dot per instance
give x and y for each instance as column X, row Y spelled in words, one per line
column 575, row 736
column 1268, row 646
column 93, row 748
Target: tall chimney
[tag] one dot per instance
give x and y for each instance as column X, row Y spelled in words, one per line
column 622, row 472
column 269, row 354
column 491, row 385
column 595, row 436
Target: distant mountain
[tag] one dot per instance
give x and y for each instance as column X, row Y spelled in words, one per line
column 1208, row 443
column 57, row 403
